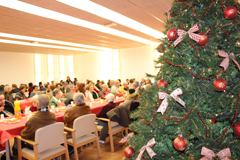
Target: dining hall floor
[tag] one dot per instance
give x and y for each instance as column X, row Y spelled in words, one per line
column 90, row 152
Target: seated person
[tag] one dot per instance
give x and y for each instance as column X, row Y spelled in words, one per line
column 30, row 88
column 103, row 114
column 76, row 111
column 135, row 86
column 8, row 96
column 131, row 97
column 71, row 85
column 125, row 85
column 34, row 108
column 90, row 92
column 115, row 87
column 40, row 119
column 104, row 91
column 14, row 88
column 35, row 91
column 6, row 107
column 69, row 93
column 21, row 94
column 81, row 88
column 55, row 100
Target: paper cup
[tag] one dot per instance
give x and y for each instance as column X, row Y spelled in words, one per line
column 2, row 116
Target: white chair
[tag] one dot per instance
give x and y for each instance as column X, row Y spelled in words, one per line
column 113, row 128
column 82, row 133
column 47, row 144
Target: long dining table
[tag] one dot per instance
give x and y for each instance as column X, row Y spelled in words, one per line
column 8, row 131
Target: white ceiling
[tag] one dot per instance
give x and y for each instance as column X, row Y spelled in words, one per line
column 147, row 12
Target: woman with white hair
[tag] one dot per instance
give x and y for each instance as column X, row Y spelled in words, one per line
column 78, row 110
column 34, row 108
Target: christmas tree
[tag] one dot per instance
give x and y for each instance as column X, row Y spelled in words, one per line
column 192, row 112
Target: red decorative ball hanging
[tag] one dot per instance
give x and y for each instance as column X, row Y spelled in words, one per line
column 220, row 84
column 129, row 152
column 172, row 34
column 237, row 130
column 160, row 48
column 180, row 143
column 230, row 12
column 203, row 40
column 162, row 83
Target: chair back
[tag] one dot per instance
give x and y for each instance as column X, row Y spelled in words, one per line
column 49, row 136
column 84, row 125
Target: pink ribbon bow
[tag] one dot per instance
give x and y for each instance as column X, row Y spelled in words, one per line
column 125, row 139
column 162, row 95
column 191, row 34
column 147, row 147
column 225, row 62
column 209, row 154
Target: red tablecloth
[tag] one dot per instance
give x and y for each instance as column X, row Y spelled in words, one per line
column 8, row 131
column 25, row 103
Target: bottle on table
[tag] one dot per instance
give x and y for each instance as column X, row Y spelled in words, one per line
column 17, row 110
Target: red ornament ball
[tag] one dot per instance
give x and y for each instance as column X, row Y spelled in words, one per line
column 203, row 40
column 220, row 84
column 180, row 143
column 162, row 83
column 129, row 152
column 237, row 130
column 172, row 34
column 230, row 12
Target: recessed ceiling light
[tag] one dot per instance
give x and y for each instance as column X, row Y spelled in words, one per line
column 28, row 8
column 44, row 45
column 7, row 35
column 111, row 15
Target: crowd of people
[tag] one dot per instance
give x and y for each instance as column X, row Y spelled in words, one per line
column 63, row 93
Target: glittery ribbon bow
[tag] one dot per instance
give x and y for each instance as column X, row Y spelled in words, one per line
column 125, row 139
column 191, row 34
column 162, row 95
column 147, row 147
column 225, row 62
column 209, row 154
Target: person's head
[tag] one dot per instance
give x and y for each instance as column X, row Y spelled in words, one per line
column 117, row 83
column 2, row 100
column 22, row 89
column 127, row 80
column 57, row 93
column 42, row 101
column 98, row 81
column 61, row 81
column 70, row 82
column 35, row 88
column 7, row 89
column 65, row 84
column 30, row 84
column 52, row 87
column 68, row 89
column 100, row 84
column 68, row 78
column 79, row 98
column 110, row 97
column 58, row 86
column 125, row 84
column 34, row 100
column 135, row 84
column 40, row 84
column 14, row 86
column 143, row 80
column 104, row 88
column 102, row 81
column 148, row 81
column 75, row 79
column 131, row 91
column 131, row 80
column 90, row 88
column 81, row 87
column 52, row 82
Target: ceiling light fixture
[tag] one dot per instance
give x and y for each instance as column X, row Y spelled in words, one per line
column 111, row 15
column 28, row 8
column 7, row 35
column 44, row 45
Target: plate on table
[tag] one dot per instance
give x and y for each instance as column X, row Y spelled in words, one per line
column 13, row 120
column 3, row 120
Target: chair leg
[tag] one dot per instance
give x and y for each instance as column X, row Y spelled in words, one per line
column 111, row 142
column 75, row 152
column 19, row 149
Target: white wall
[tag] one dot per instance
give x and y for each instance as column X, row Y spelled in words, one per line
column 87, row 67
column 16, row 68
column 136, row 62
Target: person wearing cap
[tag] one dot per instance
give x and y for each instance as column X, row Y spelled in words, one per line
column 131, row 97
column 103, row 114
